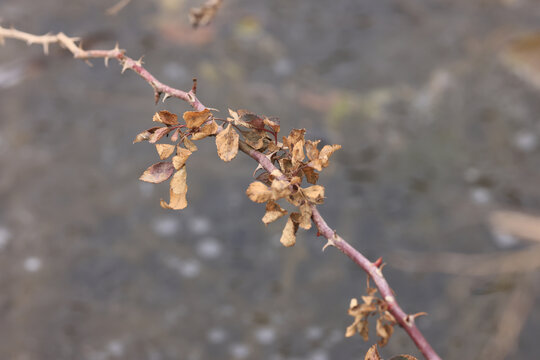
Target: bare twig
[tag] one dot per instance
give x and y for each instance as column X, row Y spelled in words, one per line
column 160, row 89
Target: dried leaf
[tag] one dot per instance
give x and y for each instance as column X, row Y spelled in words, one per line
column 258, row 192
column 311, row 149
column 174, row 136
column 254, row 138
column 296, row 198
column 288, row 237
column 298, row 153
column 305, row 216
column 164, row 150
column 166, row 118
column 158, row 134
column 311, row 176
column 272, row 124
column 280, row 189
column 206, row 130
column 295, row 136
column 145, row 135
column 190, row 145
column 178, row 190
column 373, row 353
column 384, row 331
column 286, row 166
column 227, row 143
column 194, row 119
column 273, row 212
column 181, row 157
column 315, row 194
column 158, row 172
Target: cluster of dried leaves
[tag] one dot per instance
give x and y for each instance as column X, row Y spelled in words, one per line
column 296, row 159
column 372, row 305
column 373, row 354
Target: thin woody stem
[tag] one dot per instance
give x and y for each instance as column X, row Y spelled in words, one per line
column 160, row 89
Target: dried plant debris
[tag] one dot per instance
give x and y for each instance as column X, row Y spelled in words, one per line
column 203, row 15
column 296, row 160
column 371, row 305
column 373, row 354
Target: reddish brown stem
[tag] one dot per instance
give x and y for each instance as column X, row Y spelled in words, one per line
column 404, row 320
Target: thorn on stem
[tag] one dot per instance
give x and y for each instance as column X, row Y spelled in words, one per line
column 166, row 96
column 194, row 87
column 157, row 95
column 378, row 262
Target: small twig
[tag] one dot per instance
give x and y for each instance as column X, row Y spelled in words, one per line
column 406, row 321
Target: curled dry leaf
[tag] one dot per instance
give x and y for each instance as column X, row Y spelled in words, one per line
column 227, row 143
column 190, row 145
column 384, row 331
column 311, row 176
column 295, row 136
column 158, row 172
column 178, row 190
column 303, row 218
column 145, row 135
column 288, row 237
column 373, row 353
column 258, row 192
column 324, row 156
column 158, row 134
column 273, row 212
column 311, row 149
column 280, row 189
column 272, row 124
column 164, row 150
column 194, row 119
column 315, row 194
column 166, row 118
column 206, row 130
column 181, row 157
column 298, row 153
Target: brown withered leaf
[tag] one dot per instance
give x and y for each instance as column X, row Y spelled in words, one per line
column 297, row 153
column 158, row 172
column 296, row 198
column 181, row 157
column 384, row 331
column 206, row 130
column 373, row 353
column 227, row 143
column 195, row 119
column 311, row 176
column 288, row 237
column 164, row 150
column 273, row 212
column 294, row 136
column 178, row 190
column 280, row 189
column 158, row 134
column 254, row 138
column 311, row 149
column 315, row 194
column 190, row 145
column 286, row 166
column 166, row 117
column 272, row 124
column 324, row 156
column 145, row 135
column 305, row 216
column 174, row 136
column 258, row 192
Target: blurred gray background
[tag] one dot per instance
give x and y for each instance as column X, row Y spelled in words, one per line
column 436, row 106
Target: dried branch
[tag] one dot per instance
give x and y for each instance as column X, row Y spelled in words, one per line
column 372, row 269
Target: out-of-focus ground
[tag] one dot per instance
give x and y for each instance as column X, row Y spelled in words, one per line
column 436, row 104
